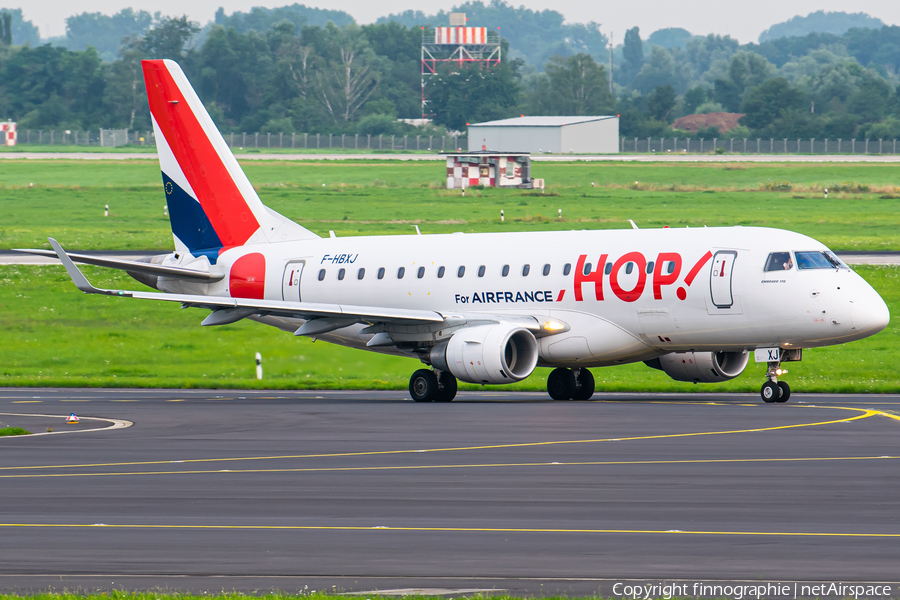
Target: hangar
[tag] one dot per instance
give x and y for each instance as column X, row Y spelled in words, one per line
column 557, row 135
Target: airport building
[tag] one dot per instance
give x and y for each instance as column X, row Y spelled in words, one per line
column 556, row 135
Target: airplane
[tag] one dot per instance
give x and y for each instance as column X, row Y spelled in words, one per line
column 487, row 308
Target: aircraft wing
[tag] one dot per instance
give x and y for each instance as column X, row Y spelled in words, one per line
column 229, row 310
column 132, row 265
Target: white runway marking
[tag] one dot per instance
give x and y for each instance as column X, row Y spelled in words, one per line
column 116, row 424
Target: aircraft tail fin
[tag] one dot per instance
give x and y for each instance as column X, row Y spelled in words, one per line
column 212, row 205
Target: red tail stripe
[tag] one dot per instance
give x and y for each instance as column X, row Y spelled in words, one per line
column 696, row 268
column 219, row 196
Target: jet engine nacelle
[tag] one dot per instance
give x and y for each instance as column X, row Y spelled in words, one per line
column 500, row 353
column 701, row 367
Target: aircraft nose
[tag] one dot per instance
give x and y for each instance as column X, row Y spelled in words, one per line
column 869, row 313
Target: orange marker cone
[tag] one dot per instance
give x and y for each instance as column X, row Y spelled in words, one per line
column 72, row 419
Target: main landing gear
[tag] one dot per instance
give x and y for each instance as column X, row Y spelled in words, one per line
column 570, row 384
column 432, row 386
column 774, row 390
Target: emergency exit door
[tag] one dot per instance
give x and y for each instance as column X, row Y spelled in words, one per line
column 720, row 276
column 290, row 286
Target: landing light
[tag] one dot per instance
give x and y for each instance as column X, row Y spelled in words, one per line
column 554, row 326
column 780, row 371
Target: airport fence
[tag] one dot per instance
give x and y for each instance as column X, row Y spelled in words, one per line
column 258, row 140
column 757, row 146
column 426, row 143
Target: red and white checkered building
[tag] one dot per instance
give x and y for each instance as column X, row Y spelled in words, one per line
column 8, row 128
column 490, row 169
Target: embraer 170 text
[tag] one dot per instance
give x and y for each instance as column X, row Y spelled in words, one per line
column 488, row 308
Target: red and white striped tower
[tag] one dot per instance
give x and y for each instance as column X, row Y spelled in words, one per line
column 457, row 44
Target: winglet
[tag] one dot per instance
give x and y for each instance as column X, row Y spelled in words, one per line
column 77, row 276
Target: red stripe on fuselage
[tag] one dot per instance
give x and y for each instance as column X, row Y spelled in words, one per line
column 219, row 196
column 696, row 268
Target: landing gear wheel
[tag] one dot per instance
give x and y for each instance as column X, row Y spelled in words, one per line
column 585, row 385
column 561, row 384
column 770, row 392
column 447, row 385
column 423, row 386
column 785, row 391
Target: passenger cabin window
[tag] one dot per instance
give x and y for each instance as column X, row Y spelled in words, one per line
column 421, row 273
column 629, row 268
column 441, row 272
column 341, row 273
column 779, row 261
column 481, row 270
column 608, row 268
column 460, row 271
column 819, row 260
column 380, row 272
column 649, row 267
column 526, row 270
column 505, row 270
column 567, row 268
column 321, row 274
column 587, row 268
column 360, row 274
column 546, row 270
column 671, row 268
column 401, row 272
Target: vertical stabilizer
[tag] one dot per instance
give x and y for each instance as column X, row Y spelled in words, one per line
column 212, row 205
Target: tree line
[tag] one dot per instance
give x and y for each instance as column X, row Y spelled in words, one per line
column 296, row 69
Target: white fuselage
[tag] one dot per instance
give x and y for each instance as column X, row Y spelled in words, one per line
column 707, row 289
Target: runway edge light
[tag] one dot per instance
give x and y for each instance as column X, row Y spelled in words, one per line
column 72, row 419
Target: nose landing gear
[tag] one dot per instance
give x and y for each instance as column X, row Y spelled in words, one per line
column 570, row 384
column 432, row 386
column 774, row 390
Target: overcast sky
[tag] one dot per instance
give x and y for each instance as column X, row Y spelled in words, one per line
column 742, row 20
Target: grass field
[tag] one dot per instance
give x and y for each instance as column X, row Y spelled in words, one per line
column 65, row 198
column 8, row 431
column 56, row 336
column 262, row 595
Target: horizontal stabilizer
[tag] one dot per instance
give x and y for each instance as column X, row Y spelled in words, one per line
column 133, row 265
column 277, row 308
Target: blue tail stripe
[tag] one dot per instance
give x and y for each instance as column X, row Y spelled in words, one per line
column 189, row 223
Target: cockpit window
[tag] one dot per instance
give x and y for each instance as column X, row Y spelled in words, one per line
column 819, row 260
column 779, row 261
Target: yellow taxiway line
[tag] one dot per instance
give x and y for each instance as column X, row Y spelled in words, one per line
column 833, row 534
column 458, row 466
column 865, row 413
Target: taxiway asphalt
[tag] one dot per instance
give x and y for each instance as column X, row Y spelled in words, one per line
column 212, row 490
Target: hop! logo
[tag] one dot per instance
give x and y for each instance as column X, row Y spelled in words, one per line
column 666, row 270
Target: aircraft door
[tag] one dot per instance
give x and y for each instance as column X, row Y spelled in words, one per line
column 290, row 285
column 720, row 287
